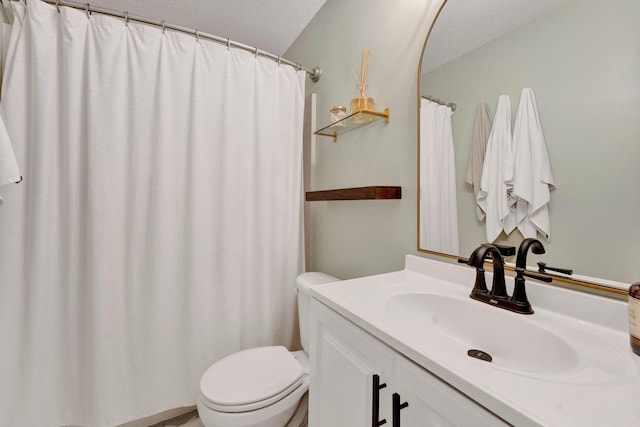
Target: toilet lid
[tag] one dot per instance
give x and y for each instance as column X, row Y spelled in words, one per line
column 251, row 379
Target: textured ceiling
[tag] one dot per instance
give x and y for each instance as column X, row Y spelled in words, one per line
column 464, row 25
column 270, row 25
column 273, row 25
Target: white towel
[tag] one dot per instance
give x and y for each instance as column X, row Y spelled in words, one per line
column 9, row 171
column 532, row 179
column 494, row 195
column 481, row 131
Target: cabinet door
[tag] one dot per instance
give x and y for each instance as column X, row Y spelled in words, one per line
column 434, row 403
column 344, row 359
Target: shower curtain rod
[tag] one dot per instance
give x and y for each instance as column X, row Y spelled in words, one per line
column 451, row 105
column 314, row 73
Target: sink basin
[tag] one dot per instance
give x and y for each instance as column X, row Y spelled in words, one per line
column 513, row 341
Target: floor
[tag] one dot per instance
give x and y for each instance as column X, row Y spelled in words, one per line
column 191, row 419
column 193, row 422
column 187, row 420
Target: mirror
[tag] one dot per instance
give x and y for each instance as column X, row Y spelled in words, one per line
column 581, row 58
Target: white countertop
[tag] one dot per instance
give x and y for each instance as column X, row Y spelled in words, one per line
column 601, row 389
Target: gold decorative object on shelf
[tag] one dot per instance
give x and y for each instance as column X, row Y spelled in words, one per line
column 333, row 129
column 362, row 111
column 362, row 102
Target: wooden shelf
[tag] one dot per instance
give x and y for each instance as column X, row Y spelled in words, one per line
column 376, row 192
column 351, row 122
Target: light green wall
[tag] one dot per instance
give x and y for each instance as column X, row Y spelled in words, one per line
column 583, row 63
column 357, row 238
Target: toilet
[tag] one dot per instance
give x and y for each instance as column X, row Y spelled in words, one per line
column 262, row 386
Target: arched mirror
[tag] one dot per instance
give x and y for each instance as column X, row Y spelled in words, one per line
column 581, row 60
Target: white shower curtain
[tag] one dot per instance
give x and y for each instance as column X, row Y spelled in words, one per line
column 157, row 228
column 438, row 205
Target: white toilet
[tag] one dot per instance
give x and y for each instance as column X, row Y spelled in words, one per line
column 263, row 386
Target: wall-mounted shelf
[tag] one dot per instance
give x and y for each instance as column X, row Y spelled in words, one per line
column 376, row 192
column 362, row 117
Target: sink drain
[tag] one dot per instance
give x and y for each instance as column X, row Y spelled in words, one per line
column 479, row 354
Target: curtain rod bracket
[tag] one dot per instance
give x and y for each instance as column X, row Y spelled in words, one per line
column 316, row 73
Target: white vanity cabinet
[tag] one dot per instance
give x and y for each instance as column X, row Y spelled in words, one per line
column 344, row 361
column 346, row 365
column 434, row 403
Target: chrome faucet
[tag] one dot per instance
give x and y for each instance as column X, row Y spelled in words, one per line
column 498, row 295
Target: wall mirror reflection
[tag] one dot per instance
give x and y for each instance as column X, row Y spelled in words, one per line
column 581, row 60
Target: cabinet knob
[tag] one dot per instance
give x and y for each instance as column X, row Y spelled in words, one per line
column 375, row 399
column 397, row 407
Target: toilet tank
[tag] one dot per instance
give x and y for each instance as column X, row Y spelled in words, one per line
column 303, row 283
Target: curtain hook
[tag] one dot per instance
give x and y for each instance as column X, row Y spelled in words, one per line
column 228, row 43
column 197, row 36
column 163, row 26
column 87, row 10
column 256, row 53
column 58, row 5
column 279, row 58
column 126, row 19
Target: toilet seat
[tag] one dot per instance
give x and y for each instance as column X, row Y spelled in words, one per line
column 251, row 379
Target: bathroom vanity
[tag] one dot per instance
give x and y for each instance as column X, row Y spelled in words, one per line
column 360, row 379
column 410, row 348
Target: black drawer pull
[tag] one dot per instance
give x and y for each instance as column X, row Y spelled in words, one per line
column 397, row 407
column 376, row 402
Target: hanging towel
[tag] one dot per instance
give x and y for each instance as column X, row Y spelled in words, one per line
column 494, row 195
column 481, row 131
column 532, row 179
column 9, row 171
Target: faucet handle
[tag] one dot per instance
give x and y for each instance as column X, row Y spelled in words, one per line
column 542, row 266
column 540, row 277
column 505, row 250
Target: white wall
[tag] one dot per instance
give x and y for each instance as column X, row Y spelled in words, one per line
column 356, row 238
column 3, row 20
